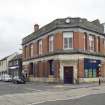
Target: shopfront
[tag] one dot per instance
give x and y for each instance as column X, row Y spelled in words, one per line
column 91, row 68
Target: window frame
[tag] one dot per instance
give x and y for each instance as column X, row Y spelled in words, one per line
column 84, row 38
column 31, row 49
column 40, row 47
column 91, row 41
column 51, row 45
column 66, row 36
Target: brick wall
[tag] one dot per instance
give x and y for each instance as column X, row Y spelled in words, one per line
column 46, row 69
column 28, row 52
column 102, row 45
column 45, row 45
column 57, row 66
column 24, row 53
column 42, row 69
column 103, row 70
column 35, row 49
column 80, row 68
column 78, row 40
column 58, row 41
column 96, row 43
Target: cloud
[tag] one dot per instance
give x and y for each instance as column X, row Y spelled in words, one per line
column 12, row 30
column 17, row 17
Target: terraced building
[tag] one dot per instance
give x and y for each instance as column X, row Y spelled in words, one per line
column 67, row 50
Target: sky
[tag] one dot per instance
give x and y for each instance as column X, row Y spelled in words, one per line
column 17, row 17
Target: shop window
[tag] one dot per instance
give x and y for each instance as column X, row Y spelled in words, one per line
column 94, row 73
column 90, row 73
column 86, row 73
column 90, row 68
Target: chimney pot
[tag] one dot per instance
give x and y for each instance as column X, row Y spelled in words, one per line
column 36, row 27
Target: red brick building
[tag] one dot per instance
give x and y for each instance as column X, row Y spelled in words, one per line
column 66, row 50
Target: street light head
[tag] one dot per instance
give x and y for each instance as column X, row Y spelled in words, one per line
column 99, row 65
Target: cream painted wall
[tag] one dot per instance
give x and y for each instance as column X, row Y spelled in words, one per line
column 68, row 63
column 3, row 65
column 64, row 57
column 4, row 62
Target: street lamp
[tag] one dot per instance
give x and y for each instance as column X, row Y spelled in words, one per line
column 78, row 71
column 99, row 73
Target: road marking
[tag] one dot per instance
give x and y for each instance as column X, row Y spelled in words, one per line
column 76, row 97
column 31, row 89
column 68, row 98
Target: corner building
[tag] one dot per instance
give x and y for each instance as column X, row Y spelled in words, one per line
column 68, row 50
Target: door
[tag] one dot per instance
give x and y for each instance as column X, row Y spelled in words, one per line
column 31, row 69
column 68, row 75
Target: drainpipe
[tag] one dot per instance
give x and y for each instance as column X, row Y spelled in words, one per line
column 78, row 70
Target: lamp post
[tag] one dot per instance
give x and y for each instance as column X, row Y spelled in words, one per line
column 99, row 73
column 78, row 77
column 78, row 71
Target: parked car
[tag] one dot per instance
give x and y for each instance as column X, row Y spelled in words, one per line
column 7, row 78
column 2, row 77
column 19, row 80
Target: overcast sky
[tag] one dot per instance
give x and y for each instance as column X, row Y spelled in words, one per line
column 17, row 17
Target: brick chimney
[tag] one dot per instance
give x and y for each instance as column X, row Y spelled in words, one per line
column 36, row 27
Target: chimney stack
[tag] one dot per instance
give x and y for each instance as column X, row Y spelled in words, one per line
column 36, row 27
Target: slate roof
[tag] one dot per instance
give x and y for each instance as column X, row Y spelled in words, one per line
column 83, row 23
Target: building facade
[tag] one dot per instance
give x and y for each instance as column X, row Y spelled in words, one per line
column 15, row 66
column 68, row 50
column 4, row 64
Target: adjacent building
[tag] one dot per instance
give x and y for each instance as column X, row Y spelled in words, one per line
column 67, row 50
column 15, row 66
column 5, row 64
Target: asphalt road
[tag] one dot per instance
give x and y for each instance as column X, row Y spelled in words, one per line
column 87, row 100
column 10, row 88
column 31, row 93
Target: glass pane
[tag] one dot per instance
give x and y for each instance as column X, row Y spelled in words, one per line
column 90, row 73
column 86, row 73
column 94, row 72
column 70, row 42
column 65, row 43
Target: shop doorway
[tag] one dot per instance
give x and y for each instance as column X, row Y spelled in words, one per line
column 31, row 67
column 68, row 75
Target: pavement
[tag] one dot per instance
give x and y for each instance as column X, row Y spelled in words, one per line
column 98, row 99
column 37, row 93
